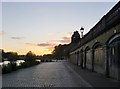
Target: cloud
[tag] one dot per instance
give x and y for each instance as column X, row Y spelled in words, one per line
column 44, row 44
column 30, row 44
column 17, row 38
column 62, row 41
column 65, row 40
column 49, row 46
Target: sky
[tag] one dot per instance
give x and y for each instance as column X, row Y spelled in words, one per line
column 39, row 26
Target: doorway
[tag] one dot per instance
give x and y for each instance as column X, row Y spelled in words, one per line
column 114, row 57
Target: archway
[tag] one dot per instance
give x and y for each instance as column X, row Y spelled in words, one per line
column 98, row 58
column 87, row 59
column 114, row 57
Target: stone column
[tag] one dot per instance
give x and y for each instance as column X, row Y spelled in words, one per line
column 92, row 56
column 107, row 62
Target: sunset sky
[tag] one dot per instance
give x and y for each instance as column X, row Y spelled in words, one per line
column 39, row 26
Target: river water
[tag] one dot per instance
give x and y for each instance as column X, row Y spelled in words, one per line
column 6, row 62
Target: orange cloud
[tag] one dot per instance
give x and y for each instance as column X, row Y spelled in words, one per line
column 62, row 41
column 31, row 44
column 45, row 44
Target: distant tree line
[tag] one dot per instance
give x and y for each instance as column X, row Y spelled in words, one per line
column 29, row 57
column 62, row 51
column 10, row 56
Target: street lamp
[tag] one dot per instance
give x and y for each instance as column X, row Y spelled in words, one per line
column 81, row 30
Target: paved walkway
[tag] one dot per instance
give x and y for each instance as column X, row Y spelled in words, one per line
column 50, row 74
column 95, row 79
column 57, row 74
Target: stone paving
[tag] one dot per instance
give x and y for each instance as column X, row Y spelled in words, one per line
column 49, row 74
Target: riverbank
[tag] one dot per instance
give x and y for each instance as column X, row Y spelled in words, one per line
column 8, row 67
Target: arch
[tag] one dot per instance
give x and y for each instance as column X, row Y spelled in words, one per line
column 112, row 38
column 81, row 50
column 96, row 45
column 86, row 56
column 98, row 58
column 75, row 52
column 87, row 48
column 113, row 56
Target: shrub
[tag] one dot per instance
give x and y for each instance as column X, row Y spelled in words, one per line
column 50, row 60
column 13, row 66
column 6, row 68
column 37, row 62
column 42, row 60
column 9, row 68
column 30, row 57
column 24, row 65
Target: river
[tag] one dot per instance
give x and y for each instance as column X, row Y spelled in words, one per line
column 6, row 62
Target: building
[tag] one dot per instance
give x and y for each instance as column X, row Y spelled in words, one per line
column 99, row 49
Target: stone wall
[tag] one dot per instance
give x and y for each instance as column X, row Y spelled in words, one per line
column 98, row 53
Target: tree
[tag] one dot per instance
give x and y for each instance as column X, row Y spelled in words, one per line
column 59, row 51
column 64, row 50
column 1, row 58
column 75, row 37
column 2, row 55
column 12, row 56
column 30, row 57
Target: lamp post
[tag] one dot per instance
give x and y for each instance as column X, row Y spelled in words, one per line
column 81, row 30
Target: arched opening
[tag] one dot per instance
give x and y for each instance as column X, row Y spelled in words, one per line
column 88, row 60
column 98, row 58
column 97, row 44
column 113, row 57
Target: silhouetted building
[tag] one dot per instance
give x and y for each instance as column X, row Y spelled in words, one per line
column 99, row 49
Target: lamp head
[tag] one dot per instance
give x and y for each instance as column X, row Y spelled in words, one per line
column 81, row 29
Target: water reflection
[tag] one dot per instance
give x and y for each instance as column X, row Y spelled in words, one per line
column 19, row 61
column 6, row 62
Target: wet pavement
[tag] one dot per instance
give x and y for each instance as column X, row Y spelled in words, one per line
column 49, row 74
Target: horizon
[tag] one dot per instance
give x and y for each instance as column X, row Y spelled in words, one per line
column 31, row 26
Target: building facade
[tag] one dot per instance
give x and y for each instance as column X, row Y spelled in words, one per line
column 99, row 49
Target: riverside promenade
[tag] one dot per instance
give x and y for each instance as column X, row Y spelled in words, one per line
column 56, row 74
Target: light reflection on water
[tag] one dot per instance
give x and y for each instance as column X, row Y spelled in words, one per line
column 19, row 61
column 6, row 62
